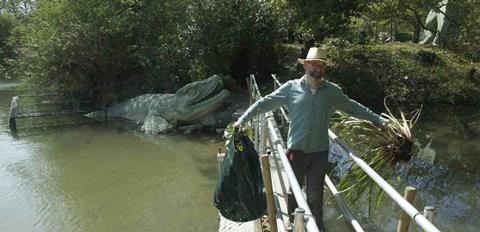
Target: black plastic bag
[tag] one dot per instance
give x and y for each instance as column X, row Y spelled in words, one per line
column 239, row 194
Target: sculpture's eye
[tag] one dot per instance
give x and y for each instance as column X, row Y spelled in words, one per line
column 190, row 92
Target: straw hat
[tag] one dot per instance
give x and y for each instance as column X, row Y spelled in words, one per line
column 315, row 53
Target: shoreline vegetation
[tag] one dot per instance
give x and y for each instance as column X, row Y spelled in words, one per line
column 407, row 73
column 112, row 50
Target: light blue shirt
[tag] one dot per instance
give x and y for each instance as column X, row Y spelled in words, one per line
column 309, row 112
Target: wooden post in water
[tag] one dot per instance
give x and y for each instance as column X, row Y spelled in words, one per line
column 267, row 180
column 12, row 123
column 404, row 221
column 429, row 213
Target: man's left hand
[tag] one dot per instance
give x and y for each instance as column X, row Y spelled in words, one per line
column 384, row 125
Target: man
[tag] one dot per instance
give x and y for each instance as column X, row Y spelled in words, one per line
column 311, row 101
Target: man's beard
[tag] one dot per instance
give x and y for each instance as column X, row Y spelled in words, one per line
column 314, row 75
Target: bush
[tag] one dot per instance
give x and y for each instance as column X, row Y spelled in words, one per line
column 409, row 73
column 427, row 57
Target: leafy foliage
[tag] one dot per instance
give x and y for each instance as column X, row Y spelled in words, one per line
column 116, row 49
column 321, row 19
column 248, row 131
column 6, row 49
column 468, row 43
column 230, row 131
column 396, row 16
column 16, row 8
column 233, row 37
column 407, row 72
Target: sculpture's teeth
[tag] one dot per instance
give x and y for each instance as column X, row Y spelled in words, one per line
column 213, row 98
column 206, row 97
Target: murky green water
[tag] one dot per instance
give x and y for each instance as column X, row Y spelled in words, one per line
column 104, row 178
column 111, row 178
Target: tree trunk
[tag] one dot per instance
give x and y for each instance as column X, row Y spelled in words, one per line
column 418, row 29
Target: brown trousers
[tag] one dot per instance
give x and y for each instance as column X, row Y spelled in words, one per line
column 310, row 167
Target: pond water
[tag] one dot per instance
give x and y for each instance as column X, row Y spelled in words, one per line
column 107, row 177
column 451, row 184
column 103, row 177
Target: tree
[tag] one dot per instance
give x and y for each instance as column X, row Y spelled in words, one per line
column 410, row 15
column 468, row 40
column 116, row 49
column 6, row 50
column 287, row 19
column 106, row 49
column 321, row 19
column 396, row 15
column 17, row 8
column 233, row 37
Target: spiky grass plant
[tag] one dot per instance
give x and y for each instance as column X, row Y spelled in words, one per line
column 382, row 147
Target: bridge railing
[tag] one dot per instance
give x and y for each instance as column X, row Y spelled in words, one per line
column 277, row 143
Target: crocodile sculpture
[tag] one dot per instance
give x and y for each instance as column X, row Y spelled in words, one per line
column 159, row 112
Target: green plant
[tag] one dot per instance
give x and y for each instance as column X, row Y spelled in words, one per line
column 381, row 147
column 230, row 130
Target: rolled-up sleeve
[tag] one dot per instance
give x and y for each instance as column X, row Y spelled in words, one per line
column 272, row 101
column 344, row 103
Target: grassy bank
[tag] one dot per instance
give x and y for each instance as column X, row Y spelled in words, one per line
column 406, row 72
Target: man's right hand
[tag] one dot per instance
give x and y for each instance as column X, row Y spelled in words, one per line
column 237, row 125
column 384, row 125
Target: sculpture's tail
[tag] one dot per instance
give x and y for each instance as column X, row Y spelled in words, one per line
column 97, row 115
